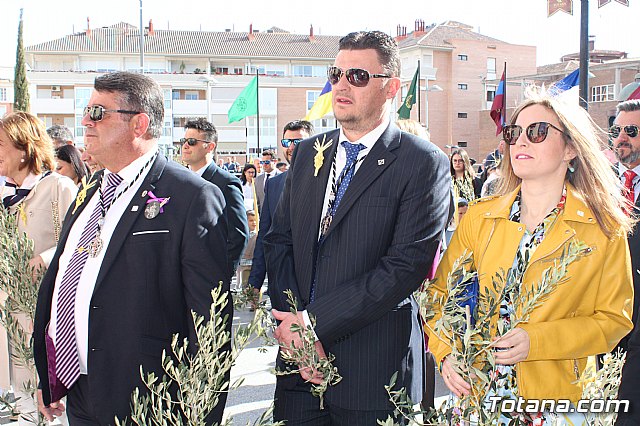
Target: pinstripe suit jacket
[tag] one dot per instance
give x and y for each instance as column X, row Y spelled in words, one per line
column 377, row 251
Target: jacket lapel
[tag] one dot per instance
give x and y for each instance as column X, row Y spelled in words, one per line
column 130, row 216
column 209, row 172
column 319, row 183
column 78, row 205
column 378, row 159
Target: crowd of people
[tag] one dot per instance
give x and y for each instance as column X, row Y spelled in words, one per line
column 350, row 222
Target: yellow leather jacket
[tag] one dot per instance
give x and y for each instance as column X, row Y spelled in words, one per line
column 586, row 315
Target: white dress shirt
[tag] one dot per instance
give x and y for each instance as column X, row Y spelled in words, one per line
column 201, row 170
column 92, row 266
column 636, row 180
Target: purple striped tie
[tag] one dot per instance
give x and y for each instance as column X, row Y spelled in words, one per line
column 67, row 364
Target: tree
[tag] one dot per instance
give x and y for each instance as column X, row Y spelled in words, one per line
column 20, row 84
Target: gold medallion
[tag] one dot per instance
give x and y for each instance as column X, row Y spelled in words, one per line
column 82, row 193
column 320, row 148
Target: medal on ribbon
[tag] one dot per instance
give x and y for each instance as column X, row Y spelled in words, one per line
column 155, row 205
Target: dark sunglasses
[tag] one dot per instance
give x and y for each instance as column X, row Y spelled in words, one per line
column 191, row 141
column 265, row 161
column 96, row 112
column 631, row 130
column 286, row 143
column 536, row 132
column 355, row 76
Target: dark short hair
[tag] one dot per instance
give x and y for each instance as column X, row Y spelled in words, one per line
column 269, row 153
column 246, row 167
column 137, row 92
column 70, row 154
column 205, row 126
column 462, row 202
column 382, row 43
column 280, row 164
column 628, row 106
column 303, row 125
column 251, row 213
column 60, row 132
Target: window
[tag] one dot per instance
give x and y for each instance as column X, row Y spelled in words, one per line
column 491, row 92
column 603, row 93
column 324, row 124
column 463, row 58
column 167, row 98
column 462, row 86
column 175, row 95
column 82, row 96
column 491, row 68
column 462, row 144
column 238, row 70
column 267, row 126
column 312, row 96
column 167, row 128
column 3, row 94
column 191, row 96
column 309, row 71
column 462, row 115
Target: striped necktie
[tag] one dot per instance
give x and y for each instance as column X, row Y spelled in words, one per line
column 67, row 363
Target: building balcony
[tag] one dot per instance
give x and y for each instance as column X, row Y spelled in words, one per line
column 52, row 106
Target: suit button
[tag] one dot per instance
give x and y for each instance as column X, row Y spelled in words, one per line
column 95, row 349
column 95, row 307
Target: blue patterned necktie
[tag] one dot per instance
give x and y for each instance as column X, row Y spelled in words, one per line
column 67, row 363
column 347, row 173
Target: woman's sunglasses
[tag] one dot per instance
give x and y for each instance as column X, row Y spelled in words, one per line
column 96, row 112
column 631, row 130
column 536, row 132
column 286, row 143
column 355, row 76
column 191, row 141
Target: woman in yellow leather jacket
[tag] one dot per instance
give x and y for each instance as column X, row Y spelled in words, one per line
column 557, row 188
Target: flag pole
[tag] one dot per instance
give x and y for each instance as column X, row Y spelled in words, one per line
column 258, row 108
column 419, row 91
column 584, row 54
column 504, row 109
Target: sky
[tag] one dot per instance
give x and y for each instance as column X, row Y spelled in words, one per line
column 514, row 21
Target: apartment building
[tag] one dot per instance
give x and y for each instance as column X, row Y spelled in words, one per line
column 6, row 90
column 200, row 72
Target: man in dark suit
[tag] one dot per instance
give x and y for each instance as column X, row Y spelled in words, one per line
column 268, row 171
column 294, row 132
column 626, row 143
column 353, row 237
column 143, row 246
column 198, row 152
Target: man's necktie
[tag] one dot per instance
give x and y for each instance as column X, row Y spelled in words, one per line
column 67, row 363
column 347, row 173
column 630, row 194
column 266, row 178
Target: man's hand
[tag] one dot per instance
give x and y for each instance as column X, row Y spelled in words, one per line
column 283, row 333
column 285, row 337
column 52, row 411
column 517, row 344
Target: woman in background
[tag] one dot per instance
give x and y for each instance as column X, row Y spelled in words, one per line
column 248, row 175
column 465, row 184
column 70, row 164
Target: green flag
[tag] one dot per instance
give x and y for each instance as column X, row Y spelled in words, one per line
column 246, row 103
column 405, row 110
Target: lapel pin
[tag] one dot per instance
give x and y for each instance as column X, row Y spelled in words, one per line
column 381, row 162
column 134, row 208
column 580, row 213
column 144, row 194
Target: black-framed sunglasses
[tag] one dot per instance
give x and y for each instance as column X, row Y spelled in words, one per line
column 192, row 141
column 96, row 112
column 265, row 161
column 631, row 130
column 286, row 143
column 355, row 76
column 536, row 132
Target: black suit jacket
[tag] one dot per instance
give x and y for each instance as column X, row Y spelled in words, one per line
column 630, row 384
column 148, row 284
column 234, row 212
column 272, row 194
column 376, row 253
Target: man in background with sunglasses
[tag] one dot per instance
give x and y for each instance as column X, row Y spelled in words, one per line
column 626, row 143
column 269, row 170
column 294, row 132
column 199, row 152
column 140, row 250
column 354, row 235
